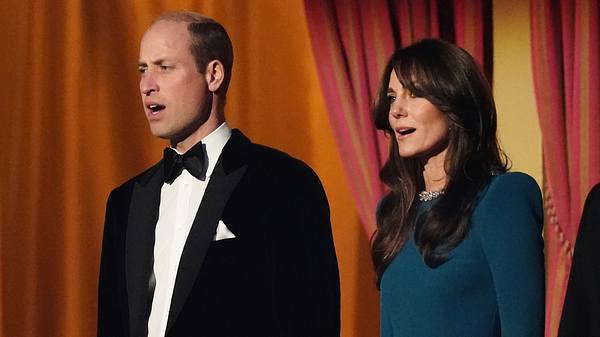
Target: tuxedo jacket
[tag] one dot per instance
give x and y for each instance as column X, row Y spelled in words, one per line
column 277, row 277
column 581, row 310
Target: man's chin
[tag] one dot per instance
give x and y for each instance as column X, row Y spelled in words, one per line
column 171, row 137
column 163, row 134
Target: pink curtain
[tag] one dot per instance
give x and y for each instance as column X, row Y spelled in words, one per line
column 565, row 68
column 352, row 40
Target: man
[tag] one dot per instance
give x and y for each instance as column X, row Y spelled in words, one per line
column 222, row 237
column 581, row 310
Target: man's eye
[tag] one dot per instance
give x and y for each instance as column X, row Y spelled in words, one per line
column 163, row 67
column 141, row 70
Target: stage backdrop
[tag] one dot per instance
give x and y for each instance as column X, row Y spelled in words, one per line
column 73, row 129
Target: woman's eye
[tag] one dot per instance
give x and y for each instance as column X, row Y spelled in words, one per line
column 391, row 98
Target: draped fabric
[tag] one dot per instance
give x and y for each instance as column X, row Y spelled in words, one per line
column 73, row 129
column 352, row 41
column 565, row 45
column 473, row 31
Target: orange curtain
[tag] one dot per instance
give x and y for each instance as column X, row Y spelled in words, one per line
column 565, row 44
column 74, row 129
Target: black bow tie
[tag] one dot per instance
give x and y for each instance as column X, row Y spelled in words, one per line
column 192, row 160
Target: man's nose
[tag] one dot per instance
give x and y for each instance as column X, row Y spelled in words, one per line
column 148, row 84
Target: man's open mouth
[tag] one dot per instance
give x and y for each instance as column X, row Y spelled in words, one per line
column 155, row 107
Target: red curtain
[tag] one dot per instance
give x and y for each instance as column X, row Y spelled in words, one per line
column 352, row 40
column 565, row 68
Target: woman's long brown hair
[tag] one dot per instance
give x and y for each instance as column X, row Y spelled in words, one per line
column 449, row 78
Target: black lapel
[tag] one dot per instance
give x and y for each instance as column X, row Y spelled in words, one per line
column 139, row 250
column 229, row 170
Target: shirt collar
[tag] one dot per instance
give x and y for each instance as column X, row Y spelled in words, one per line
column 214, row 143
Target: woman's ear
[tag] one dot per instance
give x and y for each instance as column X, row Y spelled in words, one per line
column 215, row 74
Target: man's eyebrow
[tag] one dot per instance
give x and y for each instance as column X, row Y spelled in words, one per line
column 157, row 62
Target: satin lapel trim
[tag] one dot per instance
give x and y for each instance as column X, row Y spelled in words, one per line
column 143, row 215
column 219, row 188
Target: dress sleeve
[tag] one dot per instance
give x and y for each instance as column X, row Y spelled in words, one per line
column 509, row 220
column 385, row 324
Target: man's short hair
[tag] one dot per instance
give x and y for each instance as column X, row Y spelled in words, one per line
column 208, row 41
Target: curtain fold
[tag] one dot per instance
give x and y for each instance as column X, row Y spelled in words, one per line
column 565, row 70
column 351, row 42
column 416, row 20
column 473, row 31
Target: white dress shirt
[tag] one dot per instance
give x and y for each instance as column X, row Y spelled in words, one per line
column 179, row 202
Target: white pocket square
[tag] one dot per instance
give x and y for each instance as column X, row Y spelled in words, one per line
column 223, row 232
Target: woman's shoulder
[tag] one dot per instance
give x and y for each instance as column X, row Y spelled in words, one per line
column 511, row 193
column 514, row 179
column 512, row 185
column 510, row 201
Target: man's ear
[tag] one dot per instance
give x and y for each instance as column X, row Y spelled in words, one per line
column 215, row 75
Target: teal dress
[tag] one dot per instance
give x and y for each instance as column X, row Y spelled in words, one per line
column 493, row 283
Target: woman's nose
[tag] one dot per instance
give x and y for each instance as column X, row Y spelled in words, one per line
column 397, row 110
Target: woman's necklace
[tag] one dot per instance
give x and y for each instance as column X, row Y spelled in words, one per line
column 430, row 195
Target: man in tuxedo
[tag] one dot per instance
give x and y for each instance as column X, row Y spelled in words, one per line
column 581, row 310
column 223, row 237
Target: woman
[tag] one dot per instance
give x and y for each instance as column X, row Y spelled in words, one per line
column 581, row 311
column 458, row 249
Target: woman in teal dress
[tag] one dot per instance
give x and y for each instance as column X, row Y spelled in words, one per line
column 458, row 249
